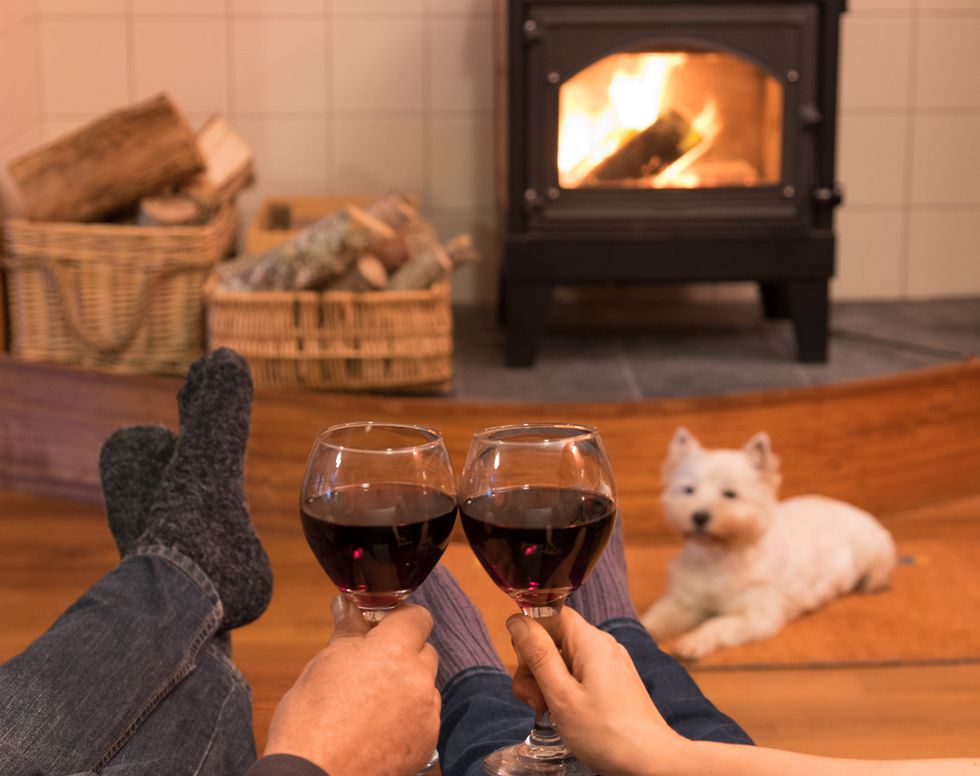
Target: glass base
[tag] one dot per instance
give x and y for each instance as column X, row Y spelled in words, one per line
column 525, row 760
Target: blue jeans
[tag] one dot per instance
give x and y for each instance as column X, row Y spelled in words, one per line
column 480, row 714
column 129, row 680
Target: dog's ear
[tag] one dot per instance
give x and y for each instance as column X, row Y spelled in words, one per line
column 759, row 451
column 682, row 444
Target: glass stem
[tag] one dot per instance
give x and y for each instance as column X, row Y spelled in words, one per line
column 544, row 733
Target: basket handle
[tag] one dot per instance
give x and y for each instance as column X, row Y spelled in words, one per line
column 70, row 316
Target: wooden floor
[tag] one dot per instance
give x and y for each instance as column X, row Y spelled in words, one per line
column 908, row 448
column 54, row 548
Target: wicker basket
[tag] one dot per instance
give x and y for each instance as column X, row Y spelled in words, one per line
column 123, row 298
column 338, row 340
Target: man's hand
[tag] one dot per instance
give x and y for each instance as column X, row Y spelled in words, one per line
column 596, row 698
column 368, row 702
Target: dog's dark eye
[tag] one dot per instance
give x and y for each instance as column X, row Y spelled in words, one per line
column 729, row 493
column 688, row 489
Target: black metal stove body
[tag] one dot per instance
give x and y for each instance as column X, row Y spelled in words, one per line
column 778, row 232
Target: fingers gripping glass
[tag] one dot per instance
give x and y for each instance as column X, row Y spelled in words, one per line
column 537, row 503
column 378, row 505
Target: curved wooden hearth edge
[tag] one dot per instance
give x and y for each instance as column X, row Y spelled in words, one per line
column 888, row 444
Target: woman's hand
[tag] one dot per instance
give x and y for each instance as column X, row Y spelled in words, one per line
column 595, row 696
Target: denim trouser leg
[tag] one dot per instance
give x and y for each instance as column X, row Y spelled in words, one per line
column 672, row 689
column 128, row 680
column 480, row 713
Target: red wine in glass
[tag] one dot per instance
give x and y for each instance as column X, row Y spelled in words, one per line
column 538, row 505
column 538, row 543
column 378, row 541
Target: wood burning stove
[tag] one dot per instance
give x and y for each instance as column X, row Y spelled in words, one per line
column 655, row 141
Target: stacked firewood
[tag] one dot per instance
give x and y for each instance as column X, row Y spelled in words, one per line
column 142, row 164
column 384, row 246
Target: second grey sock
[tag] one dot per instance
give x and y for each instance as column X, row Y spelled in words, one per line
column 131, row 466
column 605, row 595
column 458, row 634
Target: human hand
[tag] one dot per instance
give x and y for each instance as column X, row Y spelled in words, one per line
column 367, row 703
column 596, row 698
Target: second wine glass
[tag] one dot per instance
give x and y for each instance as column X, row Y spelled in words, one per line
column 537, row 503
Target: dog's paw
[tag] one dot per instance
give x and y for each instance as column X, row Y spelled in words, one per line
column 694, row 646
column 724, row 631
column 667, row 618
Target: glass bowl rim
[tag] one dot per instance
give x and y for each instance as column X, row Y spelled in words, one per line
column 435, row 435
column 586, row 430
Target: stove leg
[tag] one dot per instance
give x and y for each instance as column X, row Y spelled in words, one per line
column 774, row 302
column 525, row 307
column 808, row 304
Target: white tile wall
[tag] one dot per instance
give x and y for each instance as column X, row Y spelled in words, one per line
column 279, row 65
column 20, row 91
column 943, row 254
column 377, row 64
column 84, row 65
column 359, row 95
column 372, row 154
column 186, row 57
column 869, row 255
column 909, row 158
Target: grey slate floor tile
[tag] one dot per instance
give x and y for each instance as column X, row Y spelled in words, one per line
column 698, row 349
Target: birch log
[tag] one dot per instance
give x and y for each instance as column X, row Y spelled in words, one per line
column 427, row 260
column 313, row 259
column 365, row 274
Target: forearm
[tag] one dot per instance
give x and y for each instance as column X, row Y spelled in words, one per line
column 705, row 758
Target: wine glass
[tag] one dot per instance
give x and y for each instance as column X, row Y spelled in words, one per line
column 537, row 503
column 378, row 505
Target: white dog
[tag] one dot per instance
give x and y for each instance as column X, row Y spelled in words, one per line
column 751, row 563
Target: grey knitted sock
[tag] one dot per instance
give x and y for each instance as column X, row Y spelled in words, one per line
column 200, row 508
column 605, row 595
column 131, row 465
column 458, row 632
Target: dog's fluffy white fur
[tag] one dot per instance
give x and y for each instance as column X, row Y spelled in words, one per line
column 751, row 563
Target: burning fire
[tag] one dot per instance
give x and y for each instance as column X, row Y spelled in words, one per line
column 601, row 113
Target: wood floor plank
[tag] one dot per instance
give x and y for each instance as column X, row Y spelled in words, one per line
column 55, row 548
column 887, row 445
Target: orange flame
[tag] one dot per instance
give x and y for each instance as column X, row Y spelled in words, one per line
column 590, row 131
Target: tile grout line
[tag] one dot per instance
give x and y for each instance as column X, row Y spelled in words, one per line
column 130, row 29
column 329, row 87
column 232, row 102
column 904, row 256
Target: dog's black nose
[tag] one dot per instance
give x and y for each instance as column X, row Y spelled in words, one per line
column 701, row 518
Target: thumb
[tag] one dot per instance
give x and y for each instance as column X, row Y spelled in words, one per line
column 347, row 619
column 539, row 655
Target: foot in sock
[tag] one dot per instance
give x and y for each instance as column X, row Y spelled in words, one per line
column 605, row 595
column 131, row 466
column 200, row 507
column 459, row 634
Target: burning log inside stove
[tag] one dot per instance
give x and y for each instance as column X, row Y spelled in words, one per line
column 649, row 152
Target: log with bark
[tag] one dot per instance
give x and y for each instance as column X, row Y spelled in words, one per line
column 365, row 274
column 317, row 256
column 665, row 141
column 429, row 261
column 109, row 164
column 399, row 212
